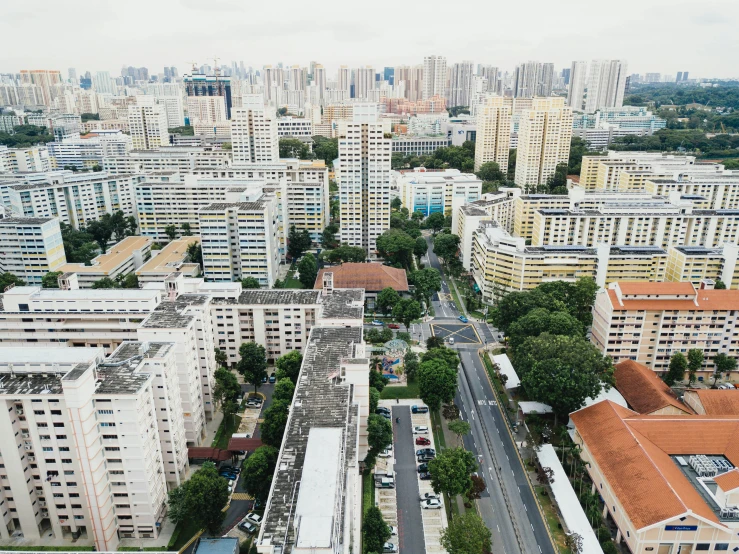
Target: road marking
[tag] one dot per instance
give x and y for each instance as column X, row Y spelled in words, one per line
column 524, row 507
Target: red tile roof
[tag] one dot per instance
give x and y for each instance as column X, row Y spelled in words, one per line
column 649, row 287
column 728, row 481
column 242, row 443
column 643, row 390
column 372, row 277
column 207, row 452
column 719, row 402
column 705, row 300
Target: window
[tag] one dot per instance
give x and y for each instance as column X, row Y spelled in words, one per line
column 702, row 546
column 721, row 546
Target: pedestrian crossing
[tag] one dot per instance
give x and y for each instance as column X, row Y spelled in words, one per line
column 241, row 496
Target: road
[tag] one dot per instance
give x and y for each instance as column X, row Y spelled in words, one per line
column 509, row 508
column 410, row 523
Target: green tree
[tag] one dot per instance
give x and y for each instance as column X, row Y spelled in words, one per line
column 258, row 471
column 253, row 363
column 130, row 281
column 345, row 253
column 294, row 148
column 326, row 149
column 184, row 130
column 396, row 204
column 437, row 383
column 435, row 222
column 446, row 246
column 578, row 297
column 450, row 471
column 512, row 161
column 288, row 366
column 379, row 436
column 410, row 364
column 375, row 532
column 722, row 364
column 195, row 253
column 171, row 232
column 377, row 380
column 676, row 370
column 515, row 305
column 405, row 311
column 186, row 230
column 308, row 269
column 221, row 357
column 490, row 171
column 178, row 510
column 250, row 283
column 386, row 299
column 541, row 320
column 420, row 247
column 284, row 390
column 226, row 389
column 460, row 428
column 695, row 362
column 298, row 242
column 396, row 247
column 328, row 236
column 101, row 232
column 105, row 283
column 562, row 371
column 426, row 281
column 51, row 280
column 275, row 420
column 443, row 354
column 207, row 494
column 557, row 182
column 374, row 399
column 466, row 534
column 719, row 285
column 434, row 342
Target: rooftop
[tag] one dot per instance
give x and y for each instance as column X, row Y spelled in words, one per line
column 371, row 277
column 25, row 220
column 272, row 296
column 219, row 545
column 173, row 314
column 643, row 390
column 112, row 259
column 717, row 402
column 246, row 206
column 169, row 258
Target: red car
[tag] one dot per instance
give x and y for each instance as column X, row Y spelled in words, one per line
column 393, row 326
column 422, row 441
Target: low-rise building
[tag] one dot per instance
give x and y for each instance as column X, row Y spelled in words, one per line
column 430, row 191
column 645, row 392
column 170, row 259
column 295, row 127
column 119, row 260
column 370, row 277
column 88, row 152
column 418, row 146
column 697, row 263
column 20, row 160
column 30, row 247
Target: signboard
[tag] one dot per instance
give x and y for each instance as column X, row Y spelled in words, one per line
column 681, row 527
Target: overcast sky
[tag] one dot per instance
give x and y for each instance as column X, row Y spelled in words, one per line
column 653, row 35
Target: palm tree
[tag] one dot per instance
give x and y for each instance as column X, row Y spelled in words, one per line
column 563, row 439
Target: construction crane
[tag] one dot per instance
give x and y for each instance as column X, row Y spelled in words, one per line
column 216, row 69
column 194, row 66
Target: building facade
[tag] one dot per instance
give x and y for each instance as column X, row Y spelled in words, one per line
column 30, row 247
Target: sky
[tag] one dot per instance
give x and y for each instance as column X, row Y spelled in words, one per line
column 652, row 35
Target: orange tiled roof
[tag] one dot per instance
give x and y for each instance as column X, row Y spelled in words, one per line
column 728, row 481
column 372, row 277
column 643, row 390
column 719, row 402
column 706, row 300
column 633, row 453
column 648, row 287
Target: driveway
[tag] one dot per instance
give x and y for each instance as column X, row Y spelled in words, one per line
column 266, row 391
column 410, row 523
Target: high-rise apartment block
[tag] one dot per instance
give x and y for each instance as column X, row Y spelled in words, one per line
column 533, row 79
column 24, row 160
column 434, row 76
column 442, row 191
column 411, row 78
column 254, row 132
column 460, row 84
column 30, row 247
column 363, row 175
column 606, row 84
column 198, row 84
column 147, row 122
column 493, row 132
column 578, row 81
column 45, row 80
column 544, row 136
column 364, row 82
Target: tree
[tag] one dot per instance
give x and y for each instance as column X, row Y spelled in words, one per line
column 443, row 354
column 466, row 534
column 435, row 222
column 695, row 362
column 51, row 280
column 184, row 130
column 426, row 281
column 437, row 383
column 515, row 305
column 434, row 342
column 386, row 299
column 379, row 436
column 375, row 531
column 541, row 320
column 477, row 488
column 490, row 171
column 460, row 428
column 545, row 475
column 100, row 232
column 396, row 204
column 177, row 510
column 308, row 270
column 557, row 182
column 722, row 364
column 345, row 253
column 326, row 149
column 294, row 148
column 253, row 363
column 374, row 399
column 275, row 420
column 420, row 248
column 288, row 366
column 328, row 237
column 105, row 283
column 130, row 281
column 258, row 471
column 562, row 371
column 410, row 364
column 450, row 412
column 396, row 247
column 574, row 542
column 284, row 390
column 377, row 380
column 578, row 297
column 719, row 285
column 676, row 370
column 171, row 232
column 298, row 242
column 446, row 246
column 250, row 283
column 405, row 311
column 195, row 253
column 450, row 471
column 186, row 230
column 207, row 494
column 226, row 389
column 221, row 357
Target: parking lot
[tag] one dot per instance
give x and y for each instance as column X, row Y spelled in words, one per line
column 461, row 333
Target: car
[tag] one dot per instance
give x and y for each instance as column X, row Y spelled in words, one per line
column 230, row 476
column 272, row 378
column 254, row 518
column 423, row 468
column 385, row 415
column 429, row 496
column 393, row 530
column 432, row 504
column 426, row 452
column 463, row 319
column 420, row 430
column 248, row 527
column 422, row 441
column 234, row 469
column 450, row 340
column 424, row 476
column 230, row 489
column 393, row 326
column 419, row 409
column 264, row 379
column 378, row 323
column 254, row 400
column 387, row 453
column 389, row 548
column 382, row 409
column 423, row 458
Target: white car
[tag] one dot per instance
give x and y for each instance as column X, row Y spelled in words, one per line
column 420, row 430
column 389, row 548
column 432, row 504
column 393, row 530
column 429, row 496
column 254, row 518
column 230, row 483
column 387, row 453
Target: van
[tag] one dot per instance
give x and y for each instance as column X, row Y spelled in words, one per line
column 419, row 409
column 385, row 483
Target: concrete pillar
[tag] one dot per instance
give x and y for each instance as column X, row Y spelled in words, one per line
column 618, row 536
column 592, row 491
column 605, row 508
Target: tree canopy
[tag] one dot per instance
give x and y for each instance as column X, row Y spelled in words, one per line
column 326, row 149
column 24, row 136
column 201, row 499
column 345, row 253
column 284, row 390
column 676, row 370
column 250, row 283
column 541, row 320
column 375, row 531
column 273, row 426
column 396, row 247
column 455, row 157
column 294, row 148
column 51, row 280
column 259, row 469
column 437, row 383
column 308, row 270
column 426, row 282
column 379, row 436
column 253, row 363
column 405, row 311
column 386, row 299
column 288, row 366
column 446, row 246
column 450, row 471
column 298, row 241
column 466, row 534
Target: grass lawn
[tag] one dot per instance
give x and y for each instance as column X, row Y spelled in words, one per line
column 400, row 391
column 550, row 514
column 290, row 281
column 182, row 533
column 225, row 430
column 368, row 492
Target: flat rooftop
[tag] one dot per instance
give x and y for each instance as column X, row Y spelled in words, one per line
column 273, row 296
column 112, row 259
column 169, row 258
column 118, row 373
column 15, row 221
column 172, row 314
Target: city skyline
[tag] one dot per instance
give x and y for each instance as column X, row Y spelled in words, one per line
column 261, row 36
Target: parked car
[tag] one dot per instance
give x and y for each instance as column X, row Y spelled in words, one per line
column 234, row 469
column 429, row 496
column 393, row 326
column 229, row 476
column 425, row 452
column 425, row 458
column 419, row 409
column 463, row 319
column 378, row 323
column 423, row 468
column 393, row 530
column 382, row 409
column 264, row 379
column 389, row 548
column 247, row 527
column 425, row 476
column 422, row 441
column 385, row 483
column 420, row 430
column 254, row 518
column 387, row 453
column 272, row 378
column 432, row 504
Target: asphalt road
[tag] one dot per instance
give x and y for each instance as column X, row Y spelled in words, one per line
column 410, row 523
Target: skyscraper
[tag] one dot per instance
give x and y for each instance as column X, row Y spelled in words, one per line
column 492, row 75
column 72, row 75
column 545, row 79
column 434, row 76
column 576, row 91
column 566, row 75
column 319, row 79
column 493, row 132
column 254, row 132
column 44, row 79
column 606, row 83
column 413, row 78
column 344, row 78
column 679, row 77
column 525, row 79
column 388, row 74
column 295, row 78
column 103, row 83
column 460, row 84
column 364, row 81
column 147, row 122
column 198, row 84
column 363, row 174
column 544, row 136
